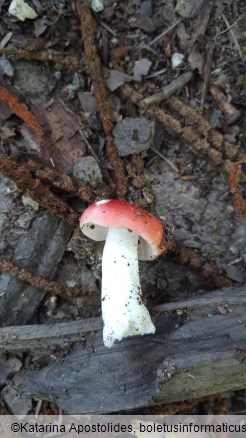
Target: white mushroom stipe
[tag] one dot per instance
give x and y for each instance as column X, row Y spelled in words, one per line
column 123, row 311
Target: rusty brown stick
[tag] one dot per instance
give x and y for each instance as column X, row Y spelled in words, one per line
column 169, row 89
column 71, row 61
column 33, row 187
column 172, row 125
column 205, row 139
column 50, row 287
column 88, row 30
column 194, row 260
column 62, row 182
column 20, row 111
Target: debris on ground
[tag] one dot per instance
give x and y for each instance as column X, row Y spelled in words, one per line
column 142, row 101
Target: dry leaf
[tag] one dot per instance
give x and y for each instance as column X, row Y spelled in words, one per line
column 62, row 143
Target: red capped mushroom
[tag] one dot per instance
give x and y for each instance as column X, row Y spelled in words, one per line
column 130, row 233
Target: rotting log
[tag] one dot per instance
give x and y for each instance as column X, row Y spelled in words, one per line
column 198, row 350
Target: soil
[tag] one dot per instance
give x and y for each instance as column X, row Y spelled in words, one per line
column 190, row 173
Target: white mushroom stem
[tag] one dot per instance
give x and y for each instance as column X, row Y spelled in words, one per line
column 123, row 311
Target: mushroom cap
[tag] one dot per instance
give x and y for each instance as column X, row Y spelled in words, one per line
column 111, row 213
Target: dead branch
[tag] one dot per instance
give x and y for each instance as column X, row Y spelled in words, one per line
column 62, row 181
column 88, row 30
column 231, row 114
column 169, row 89
column 50, row 287
column 231, row 30
column 206, row 74
column 189, row 257
column 203, row 335
column 172, row 125
column 211, row 143
column 32, row 186
column 20, row 111
column 72, row 62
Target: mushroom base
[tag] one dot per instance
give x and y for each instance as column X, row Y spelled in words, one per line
column 123, row 311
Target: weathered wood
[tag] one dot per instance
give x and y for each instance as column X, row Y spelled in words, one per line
column 197, row 350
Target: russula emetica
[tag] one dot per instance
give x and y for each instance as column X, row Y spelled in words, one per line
column 130, row 233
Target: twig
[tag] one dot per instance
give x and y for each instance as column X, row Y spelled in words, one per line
column 50, row 287
column 169, row 89
column 33, row 187
column 233, row 36
column 231, row 114
column 71, row 61
column 234, row 178
column 61, row 181
column 89, row 146
column 156, row 73
column 189, row 257
column 108, row 28
column 214, row 137
column 38, row 407
column 165, row 159
column 229, row 27
column 88, row 30
column 20, row 111
column 172, row 125
column 206, row 78
column 202, row 20
column 164, row 33
column 211, row 142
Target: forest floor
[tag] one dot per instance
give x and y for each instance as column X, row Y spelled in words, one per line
column 142, row 101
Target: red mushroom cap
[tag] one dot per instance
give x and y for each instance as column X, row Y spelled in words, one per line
column 111, row 213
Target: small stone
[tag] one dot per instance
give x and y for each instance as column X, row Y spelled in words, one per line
column 146, row 8
column 148, row 196
column 141, row 68
column 29, row 202
column 17, row 402
column 235, row 274
column 177, row 59
column 230, row 138
column 58, row 75
column 88, row 102
column 21, row 10
column 87, row 170
column 6, row 67
column 133, row 135
column 97, row 5
column 234, row 250
column 222, row 310
column 188, row 9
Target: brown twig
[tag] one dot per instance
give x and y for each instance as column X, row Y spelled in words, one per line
column 20, row 111
column 231, row 114
column 71, row 61
column 172, row 125
column 206, row 74
column 234, row 179
column 203, row 126
column 88, row 30
column 189, row 257
column 164, row 33
column 204, row 139
column 50, row 287
column 169, row 89
column 32, row 186
column 169, row 162
column 61, row 181
column 229, row 27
